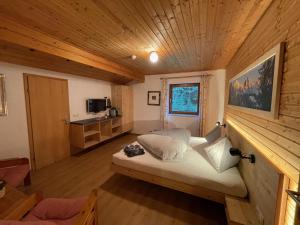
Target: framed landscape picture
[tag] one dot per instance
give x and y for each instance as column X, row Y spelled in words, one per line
column 257, row 88
column 153, row 97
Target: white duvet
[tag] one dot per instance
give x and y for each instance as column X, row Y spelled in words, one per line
column 163, row 147
column 194, row 169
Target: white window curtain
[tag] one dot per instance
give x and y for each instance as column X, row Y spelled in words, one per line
column 164, row 105
column 204, row 85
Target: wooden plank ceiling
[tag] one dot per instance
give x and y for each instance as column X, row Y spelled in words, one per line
column 189, row 35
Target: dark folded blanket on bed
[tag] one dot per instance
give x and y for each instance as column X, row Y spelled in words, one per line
column 133, row 150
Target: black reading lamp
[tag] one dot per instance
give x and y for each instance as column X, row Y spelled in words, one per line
column 237, row 152
column 296, row 197
column 219, row 124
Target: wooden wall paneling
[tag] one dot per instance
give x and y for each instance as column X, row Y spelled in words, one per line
column 280, row 163
column 189, row 35
column 239, row 29
column 18, row 34
column 278, row 128
column 262, row 179
column 282, row 147
column 277, row 140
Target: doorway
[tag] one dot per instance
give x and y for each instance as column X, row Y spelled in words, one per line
column 47, row 106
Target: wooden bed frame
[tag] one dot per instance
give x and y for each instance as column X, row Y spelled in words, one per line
column 238, row 210
column 176, row 185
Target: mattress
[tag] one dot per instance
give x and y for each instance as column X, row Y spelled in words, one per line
column 194, row 169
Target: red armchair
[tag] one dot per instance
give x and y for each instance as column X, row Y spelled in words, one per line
column 54, row 211
column 15, row 171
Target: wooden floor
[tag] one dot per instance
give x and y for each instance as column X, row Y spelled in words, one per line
column 123, row 200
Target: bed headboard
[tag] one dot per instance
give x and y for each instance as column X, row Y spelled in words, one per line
column 264, row 182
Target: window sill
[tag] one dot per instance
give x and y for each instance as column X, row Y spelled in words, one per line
column 182, row 115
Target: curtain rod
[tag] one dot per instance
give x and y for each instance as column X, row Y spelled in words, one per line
column 202, row 75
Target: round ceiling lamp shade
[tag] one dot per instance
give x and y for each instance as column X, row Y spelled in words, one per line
column 153, row 57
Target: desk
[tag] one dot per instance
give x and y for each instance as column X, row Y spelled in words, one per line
column 90, row 132
column 13, row 197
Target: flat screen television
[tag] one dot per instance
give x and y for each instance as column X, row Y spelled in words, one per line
column 95, row 105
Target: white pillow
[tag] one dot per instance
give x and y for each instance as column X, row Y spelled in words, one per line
column 176, row 133
column 219, row 155
column 164, row 147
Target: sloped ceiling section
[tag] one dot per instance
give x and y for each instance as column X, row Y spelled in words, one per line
column 188, row 35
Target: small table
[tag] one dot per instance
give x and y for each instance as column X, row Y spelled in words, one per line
column 12, row 198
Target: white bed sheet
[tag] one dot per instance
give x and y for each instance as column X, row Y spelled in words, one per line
column 194, row 170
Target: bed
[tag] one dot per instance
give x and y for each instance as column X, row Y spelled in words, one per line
column 193, row 175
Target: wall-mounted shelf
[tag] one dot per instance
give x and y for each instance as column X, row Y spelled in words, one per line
column 87, row 133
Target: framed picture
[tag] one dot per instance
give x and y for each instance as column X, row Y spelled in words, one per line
column 257, row 88
column 3, row 103
column 153, row 97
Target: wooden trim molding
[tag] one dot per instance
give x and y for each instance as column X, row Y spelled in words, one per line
column 281, row 199
column 29, row 125
column 18, row 34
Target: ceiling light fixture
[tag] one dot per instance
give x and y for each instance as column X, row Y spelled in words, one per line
column 153, row 57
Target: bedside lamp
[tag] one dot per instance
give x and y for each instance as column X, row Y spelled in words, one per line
column 237, row 152
column 219, row 124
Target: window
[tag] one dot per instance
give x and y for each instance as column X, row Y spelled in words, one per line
column 184, row 98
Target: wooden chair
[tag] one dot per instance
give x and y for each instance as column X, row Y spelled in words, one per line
column 87, row 216
column 15, row 171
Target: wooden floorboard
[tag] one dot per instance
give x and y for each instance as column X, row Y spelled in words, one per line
column 123, row 200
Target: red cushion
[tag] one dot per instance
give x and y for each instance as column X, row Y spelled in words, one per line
column 55, row 208
column 14, row 176
column 69, row 221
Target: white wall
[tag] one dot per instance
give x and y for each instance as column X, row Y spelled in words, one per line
column 13, row 128
column 147, row 118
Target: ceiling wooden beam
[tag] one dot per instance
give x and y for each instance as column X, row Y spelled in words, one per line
column 12, row 53
column 21, row 35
